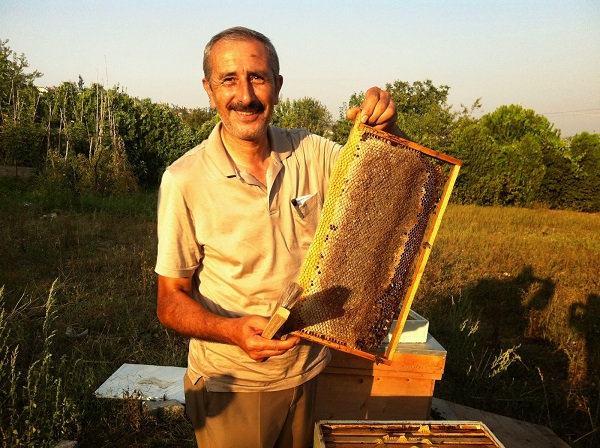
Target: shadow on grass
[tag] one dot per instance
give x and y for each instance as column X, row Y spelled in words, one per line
column 584, row 319
column 507, row 306
column 500, row 359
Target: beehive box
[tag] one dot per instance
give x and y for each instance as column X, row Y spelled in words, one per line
column 355, row 388
column 415, row 329
column 349, row 434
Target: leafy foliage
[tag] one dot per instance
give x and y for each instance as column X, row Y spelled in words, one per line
column 23, row 145
column 17, row 92
column 584, row 152
column 102, row 140
column 423, row 112
column 195, row 118
column 89, row 138
column 513, row 156
column 306, row 113
column 20, row 133
column 153, row 137
column 503, row 156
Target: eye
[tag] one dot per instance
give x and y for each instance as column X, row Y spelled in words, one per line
column 228, row 81
column 256, row 79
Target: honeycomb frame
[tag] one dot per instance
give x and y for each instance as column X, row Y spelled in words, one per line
column 386, row 199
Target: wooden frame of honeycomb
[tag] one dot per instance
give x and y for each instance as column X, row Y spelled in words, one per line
column 409, row 434
column 382, row 212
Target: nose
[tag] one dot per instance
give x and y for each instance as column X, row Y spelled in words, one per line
column 246, row 92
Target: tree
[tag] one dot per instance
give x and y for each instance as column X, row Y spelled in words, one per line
column 101, row 137
column 423, row 113
column 584, row 150
column 17, row 91
column 153, row 136
column 306, row 113
column 207, row 127
column 21, row 137
column 22, row 145
column 195, row 118
column 505, row 157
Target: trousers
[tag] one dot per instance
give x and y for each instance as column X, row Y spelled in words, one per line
column 279, row 419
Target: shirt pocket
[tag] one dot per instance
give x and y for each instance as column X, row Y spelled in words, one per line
column 304, row 205
column 307, row 212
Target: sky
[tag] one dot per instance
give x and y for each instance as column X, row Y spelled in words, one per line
column 543, row 55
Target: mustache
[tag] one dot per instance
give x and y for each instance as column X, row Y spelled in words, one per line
column 254, row 106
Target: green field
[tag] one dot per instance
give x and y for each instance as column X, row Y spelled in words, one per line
column 512, row 294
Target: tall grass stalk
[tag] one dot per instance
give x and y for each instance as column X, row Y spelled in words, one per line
column 41, row 413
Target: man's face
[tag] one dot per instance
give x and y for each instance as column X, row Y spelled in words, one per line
column 242, row 88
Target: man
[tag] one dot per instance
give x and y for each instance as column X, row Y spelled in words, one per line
column 230, row 241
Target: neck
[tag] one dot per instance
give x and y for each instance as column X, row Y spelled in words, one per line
column 249, row 155
column 246, row 151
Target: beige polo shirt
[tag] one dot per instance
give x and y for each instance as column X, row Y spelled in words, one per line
column 243, row 243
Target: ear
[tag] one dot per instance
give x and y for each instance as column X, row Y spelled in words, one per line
column 208, row 90
column 278, row 85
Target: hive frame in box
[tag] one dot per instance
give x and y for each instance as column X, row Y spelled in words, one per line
column 341, row 433
column 448, row 179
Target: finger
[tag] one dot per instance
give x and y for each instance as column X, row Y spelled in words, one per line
column 352, row 113
column 287, row 343
column 262, row 356
column 295, row 339
column 369, row 102
column 383, row 112
column 380, row 113
column 378, row 109
column 372, row 98
column 387, row 115
column 259, row 347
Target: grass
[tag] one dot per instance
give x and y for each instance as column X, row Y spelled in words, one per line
column 512, row 294
column 96, row 257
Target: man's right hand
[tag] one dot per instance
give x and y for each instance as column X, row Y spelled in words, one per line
column 256, row 347
column 177, row 310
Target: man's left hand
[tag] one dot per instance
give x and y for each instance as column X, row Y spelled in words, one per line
column 378, row 110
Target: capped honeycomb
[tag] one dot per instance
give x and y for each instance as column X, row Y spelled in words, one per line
column 382, row 195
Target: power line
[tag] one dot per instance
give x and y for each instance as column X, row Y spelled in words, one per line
column 594, row 111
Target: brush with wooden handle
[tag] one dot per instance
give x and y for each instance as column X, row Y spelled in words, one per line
column 288, row 299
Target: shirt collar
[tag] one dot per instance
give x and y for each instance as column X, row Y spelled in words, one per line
column 281, row 148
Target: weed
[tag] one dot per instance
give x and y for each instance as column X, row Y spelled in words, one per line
column 502, row 362
column 41, row 412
